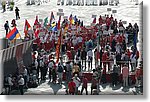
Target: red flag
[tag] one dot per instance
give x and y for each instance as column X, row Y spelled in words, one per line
column 36, row 21
column 58, row 48
column 58, row 25
column 94, row 20
column 52, row 18
column 36, row 32
column 26, row 27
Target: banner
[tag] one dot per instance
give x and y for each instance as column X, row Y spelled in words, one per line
column 14, row 51
column 4, row 55
column 1, row 55
column 8, row 53
column 19, row 52
column 11, row 52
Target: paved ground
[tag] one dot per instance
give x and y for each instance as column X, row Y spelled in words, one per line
column 47, row 88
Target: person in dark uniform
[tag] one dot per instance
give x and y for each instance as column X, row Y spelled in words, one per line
column 17, row 13
column 83, row 57
column 6, row 26
column 115, row 75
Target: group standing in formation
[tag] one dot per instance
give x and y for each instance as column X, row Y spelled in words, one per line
column 102, row 49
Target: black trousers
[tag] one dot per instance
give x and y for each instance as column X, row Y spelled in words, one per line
column 85, row 90
column 114, row 78
column 6, row 31
column 21, row 89
column 84, row 61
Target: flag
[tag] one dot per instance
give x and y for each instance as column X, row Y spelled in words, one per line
column 58, row 25
column 53, row 24
column 52, row 18
column 54, row 28
column 58, row 48
column 70, row 18
column 72, row 21
column 94, row 20
column 13, row 34
column 36, row 21
column 75, row 18
column 135, row 41
column 66, row 26
column 36, row 32
column 45, row 21
column 26, row 27
column 82, row 24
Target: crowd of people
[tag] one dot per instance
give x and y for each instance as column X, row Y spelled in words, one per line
column 88, row 2
column 7, row 5
column 101, row 49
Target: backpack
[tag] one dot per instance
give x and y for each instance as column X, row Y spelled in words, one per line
column 60, row 69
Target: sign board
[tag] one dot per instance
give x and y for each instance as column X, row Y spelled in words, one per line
column 94, row 16
column 60, row 14
column 114, row 11
column 60, row 10
column 124, row 22
column 65, row 17
column 108, row 9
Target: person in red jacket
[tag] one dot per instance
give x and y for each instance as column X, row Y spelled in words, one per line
column 69, row 55
column 84, row 85
column 104, row 58
column 71, row 87
column 100, row 20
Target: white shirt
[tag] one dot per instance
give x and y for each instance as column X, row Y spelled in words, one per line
column 41, row 63
column 10, row 81
column 76, row 81
column 36, row 63
column 21, row 81
column 90, row 53
column 25, row 73
column 74, row 41
column 79, row 39
column 133, row 59
column 51, row 64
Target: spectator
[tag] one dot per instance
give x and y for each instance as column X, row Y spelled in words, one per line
column 21, row 84
column 94, row 84
column 17, row 13
column 76, row 69
column 68, row 72
column 125, row 74
column 71, row 87
column 6, row 26
column 10, row 83
column 83, row 57
column 76, row 80
column 25, row 76
column 115, row 75
column 90, row 59
column 84, row 85
column 54, row 75
column 50, row 66
column 60, row 70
